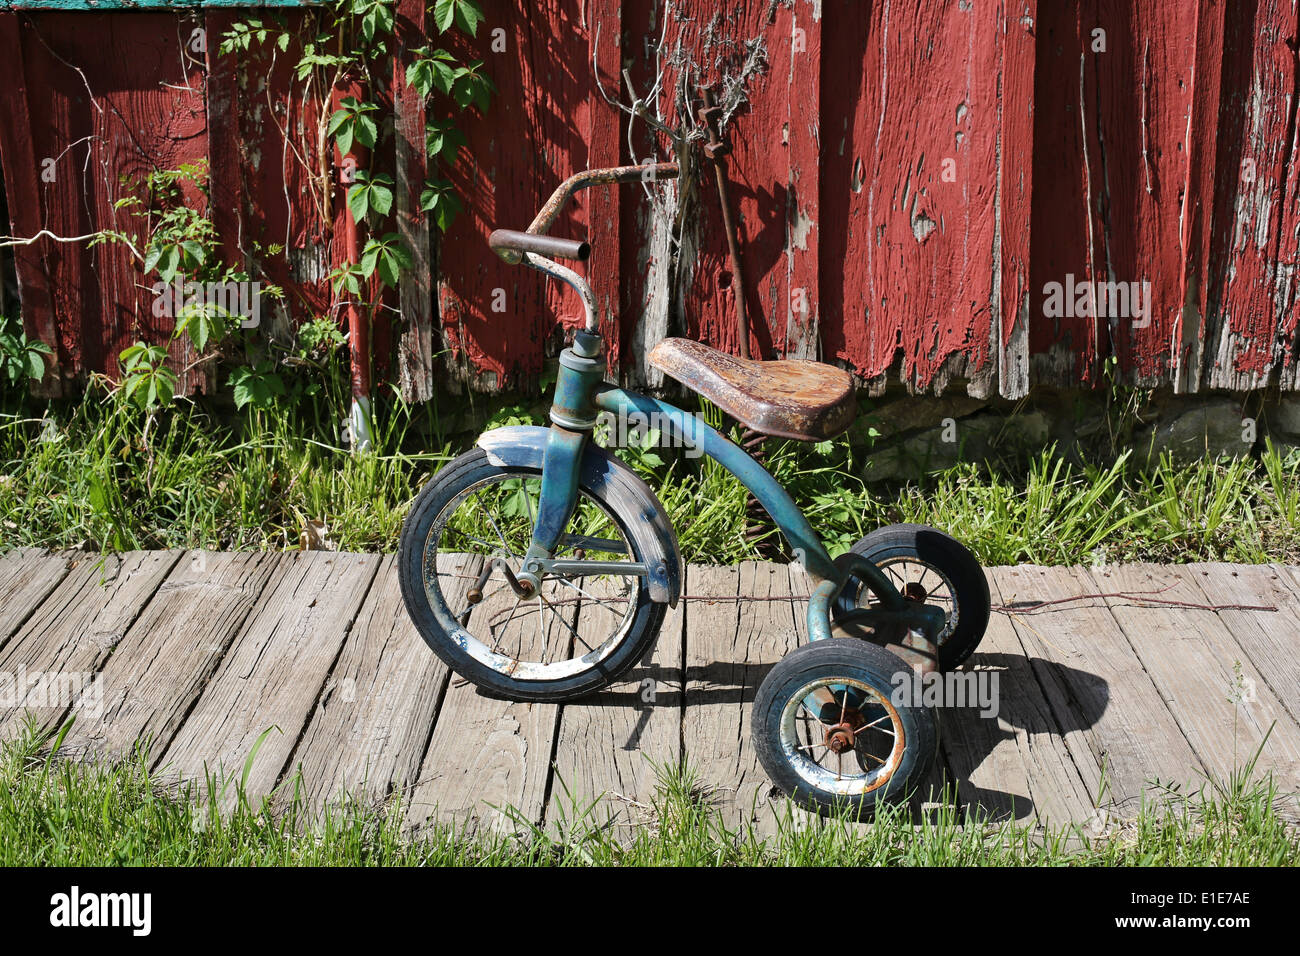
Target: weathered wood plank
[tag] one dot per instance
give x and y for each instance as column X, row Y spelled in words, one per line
column 415, row 357
column 913, row 143
column 68, row 637
column 1193, row 661
column 27, row 577
column 1196, row 230
column 162, row 665
column 730, row 647
column 23, row 168
column 1289, row 574
column 1014, row 764
column 1271, row 639
column 1254, row 243
column 1013, row 292
column 609, row 744
column 489, row 759
column 272, row 675
column 1114, row 721
column 369, row 730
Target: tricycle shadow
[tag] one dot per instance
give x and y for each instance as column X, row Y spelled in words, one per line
column 1017, row 710
column 1037, row 703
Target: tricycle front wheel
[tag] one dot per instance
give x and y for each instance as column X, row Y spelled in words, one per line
column 462, row 550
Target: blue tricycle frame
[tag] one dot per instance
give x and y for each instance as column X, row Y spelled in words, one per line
column 580, row 396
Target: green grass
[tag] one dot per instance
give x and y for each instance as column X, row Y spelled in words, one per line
column 60, row 812
column 103, row 474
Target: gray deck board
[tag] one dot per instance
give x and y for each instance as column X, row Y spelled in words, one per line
column 269, row 681
column 201, row 653
column 610, row 744
column 488, row 760
column 75, row 629
column 367, row 735
column 1111, row 715
column 1015, row 764
column 162, row 665
column 1270, row 639
column 1201, row 673
column 730, row 646
column 27, row 576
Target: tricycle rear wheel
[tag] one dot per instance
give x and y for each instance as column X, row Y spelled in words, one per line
column 932, row 567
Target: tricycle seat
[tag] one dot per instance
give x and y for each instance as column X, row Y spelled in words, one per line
column 792, row 398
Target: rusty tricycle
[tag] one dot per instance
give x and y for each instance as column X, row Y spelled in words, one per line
column 539, row 566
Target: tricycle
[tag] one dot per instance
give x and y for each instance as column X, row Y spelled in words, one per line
column 539, row 566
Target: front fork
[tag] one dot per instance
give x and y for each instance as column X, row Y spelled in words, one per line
column 573, row 416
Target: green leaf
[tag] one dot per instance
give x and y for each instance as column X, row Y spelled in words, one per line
column 337, row 119
column 169, row 263
column 419, row 76
column 163, row 387
column 448, row 208
column 359, row 200
column 367, row 132
column 35, row 365
column 343, row 139
column 468, row 16
column 381, row 197
column 370, row 257
column 444, row 14
column 443, row 141
column 195, row 254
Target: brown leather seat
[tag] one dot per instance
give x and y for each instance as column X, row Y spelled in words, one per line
column 806, row 401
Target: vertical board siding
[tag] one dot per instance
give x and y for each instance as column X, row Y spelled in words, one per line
column 92, row 128
column 496, row 319
column 908, row 180
column 917, row 286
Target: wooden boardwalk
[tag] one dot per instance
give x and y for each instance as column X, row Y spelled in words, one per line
column 202, row 653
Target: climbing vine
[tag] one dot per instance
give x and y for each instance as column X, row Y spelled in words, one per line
column 354, row 39
column 346, row 43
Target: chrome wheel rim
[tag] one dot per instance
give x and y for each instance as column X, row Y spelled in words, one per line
column 863, row 718
column 568, row 625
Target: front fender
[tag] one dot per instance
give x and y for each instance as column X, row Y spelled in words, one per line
column 647, row 523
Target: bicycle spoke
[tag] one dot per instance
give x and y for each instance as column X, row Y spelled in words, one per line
column 490, row 524
column 496, row 646
column 566, row 581
column 561, row 619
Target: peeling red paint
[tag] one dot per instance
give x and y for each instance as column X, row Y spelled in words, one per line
column 909, row 178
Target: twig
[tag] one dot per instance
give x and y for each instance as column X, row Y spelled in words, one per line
column 6, row 241
column 1136, row 596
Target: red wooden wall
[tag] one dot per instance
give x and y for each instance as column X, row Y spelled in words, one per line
column 915, row 174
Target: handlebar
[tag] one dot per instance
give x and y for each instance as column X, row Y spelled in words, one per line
column 535, row 249
column 511, row 245
column 505, row 241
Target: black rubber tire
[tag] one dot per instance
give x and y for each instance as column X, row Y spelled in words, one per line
column 468, row 469
column 830, row 659
column 955, row 561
